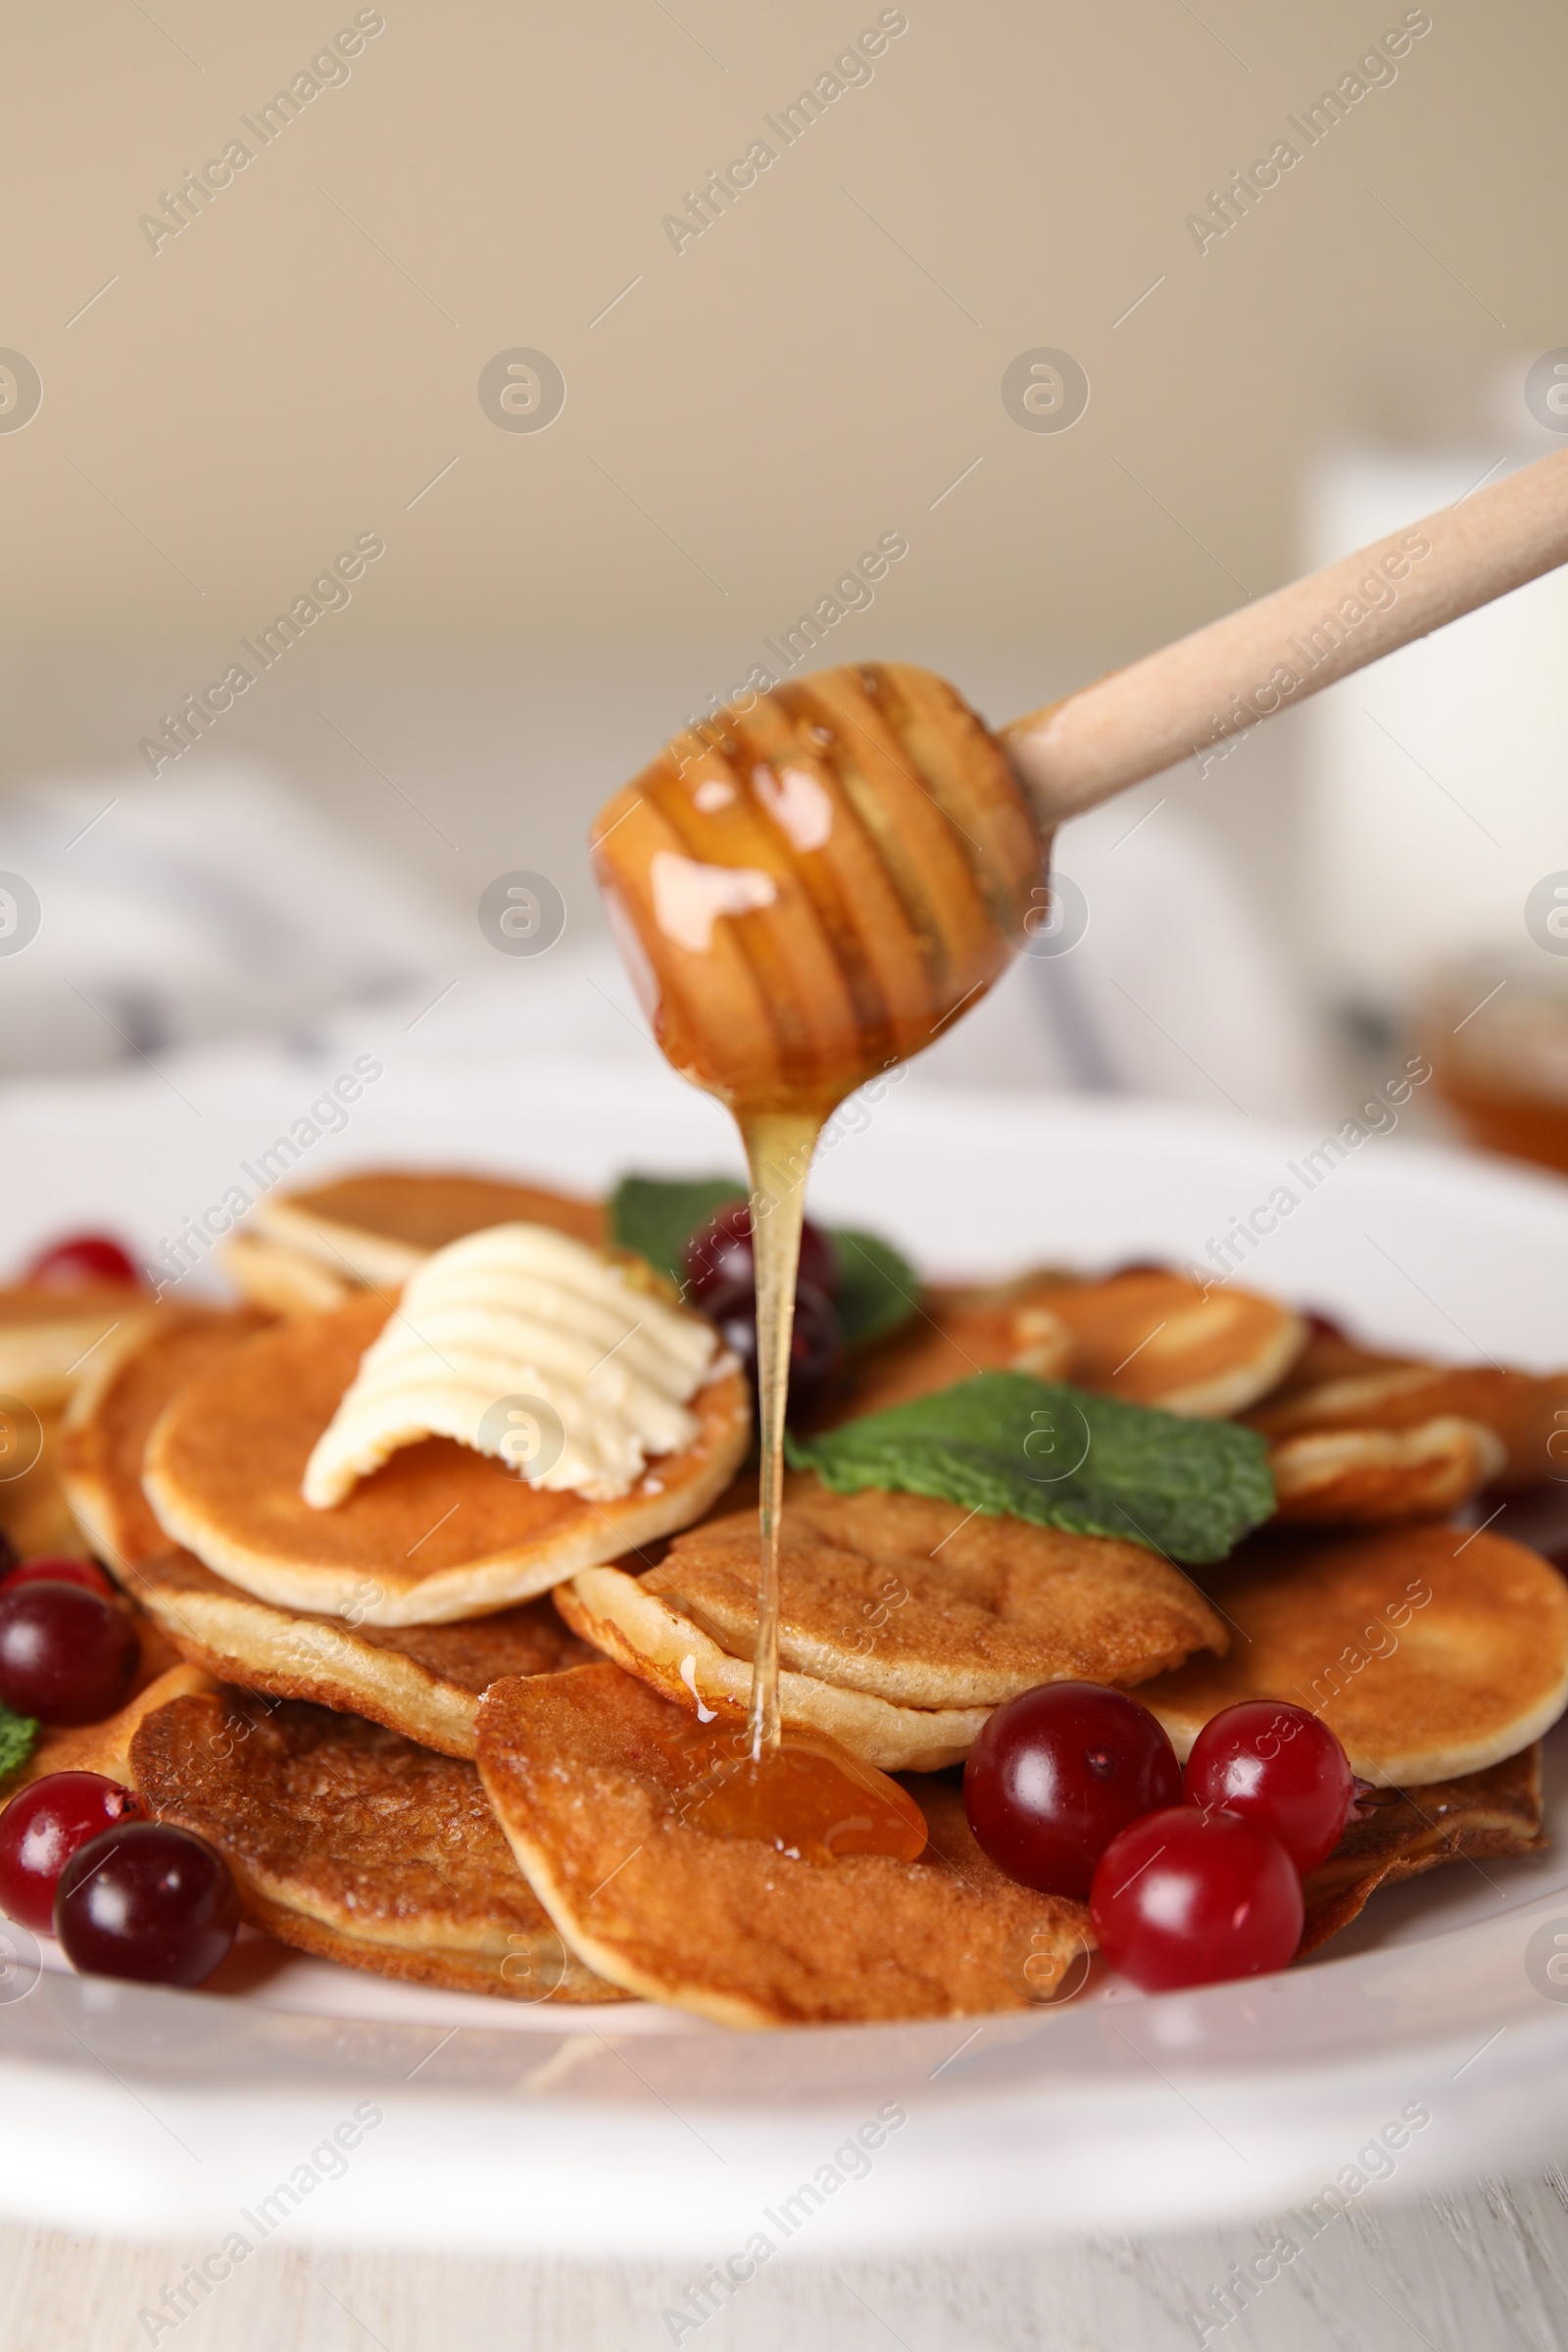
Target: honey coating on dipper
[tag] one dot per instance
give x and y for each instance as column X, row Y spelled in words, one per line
column 808, row 892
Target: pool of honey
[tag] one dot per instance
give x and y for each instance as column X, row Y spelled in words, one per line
column 808, row 1796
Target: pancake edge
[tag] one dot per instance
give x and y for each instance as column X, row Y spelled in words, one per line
column 638, row 1631
column 1225, row 1393
column 471, row 1588
column 436, row 1713
column 1419, row 1766
column 411, row 1964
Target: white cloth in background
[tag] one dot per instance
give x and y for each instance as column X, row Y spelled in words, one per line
column 191, row 909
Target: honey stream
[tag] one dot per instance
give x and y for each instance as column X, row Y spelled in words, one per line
column 778, row 1151
column 806, row 892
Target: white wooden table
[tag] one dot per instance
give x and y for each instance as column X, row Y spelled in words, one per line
column 1484, row 2269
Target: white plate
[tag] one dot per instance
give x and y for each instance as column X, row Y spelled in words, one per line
column 506, row 2126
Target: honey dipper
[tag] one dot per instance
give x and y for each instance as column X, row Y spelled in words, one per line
column 810, row 888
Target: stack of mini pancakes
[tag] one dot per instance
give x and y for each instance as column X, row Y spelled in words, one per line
column 449, row 1729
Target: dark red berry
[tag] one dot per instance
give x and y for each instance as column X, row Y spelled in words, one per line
column 718, row 1255
column 57, row 1570
column 42, row 1827
column 1183, row 1898
column 81, row 1263
column 816, row 1339
column 1055, row 1775
column 148, row 1901
column 1279, row 1767
column 66, row 1655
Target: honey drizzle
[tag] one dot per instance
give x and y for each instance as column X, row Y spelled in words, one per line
column 778, row 1151
column 924, row 793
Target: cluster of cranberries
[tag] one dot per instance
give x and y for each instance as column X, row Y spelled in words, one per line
column 1076, row 1791
column 722, row 1279
column 127, row 1897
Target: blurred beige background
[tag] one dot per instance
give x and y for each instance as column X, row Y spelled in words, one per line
column 300, row 366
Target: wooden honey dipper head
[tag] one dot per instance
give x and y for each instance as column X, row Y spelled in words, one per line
column 809, row 889
column 812, row 888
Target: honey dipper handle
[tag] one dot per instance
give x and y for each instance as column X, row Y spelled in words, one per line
column 1220, row 681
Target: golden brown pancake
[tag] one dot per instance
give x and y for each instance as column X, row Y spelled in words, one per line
column 283, row 1281
column 1332, row 1354
column 107, row 1423
column 49, row 1338
column 34, row 1514
column 952, row 1334
column 1344, row 1476
column 425, row 1680
column 438, row 1532
column 651, row 1638
column 1526, row 1412
column 586, row 1773
column 923, row 1603
column 1431, row 1652
column 1154, row 1338
column 1147, row 1336
column 1482, row 1815
column 350, row 1843
column 903, row 1620
column 376, row 1227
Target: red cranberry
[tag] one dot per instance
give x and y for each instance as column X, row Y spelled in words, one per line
column 1279, row 1767
column 66, row 1655
column 718, row 1255
column 148, row 1901
column 1183, row 1898
column 82, row 1261
column 58, row 1571
column 1057, row 1772
column 816, row 1340
column 43, row 1827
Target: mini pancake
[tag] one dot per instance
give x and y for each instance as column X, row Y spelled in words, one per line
column 1480, row 1817
column 283, row 1281
column 1526, row 1412
column 952, row 1334
column 354, row 1844
column 34, row 1514
column 1432, row 1654
column 377, row 1227
column 107, row 1423
column 587, row 1776
column 903, row 1620
column 1361, row 1475
column 48, row 1336
column 425, row 1680
column 1332, row 1354
column 438, row 1532
column 650, row 1636
column 1154, row 1338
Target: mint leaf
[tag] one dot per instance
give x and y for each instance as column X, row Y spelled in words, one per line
column 17, row 1736
column 1059, row 1456
column 655, row 1216
column 877, row 1287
